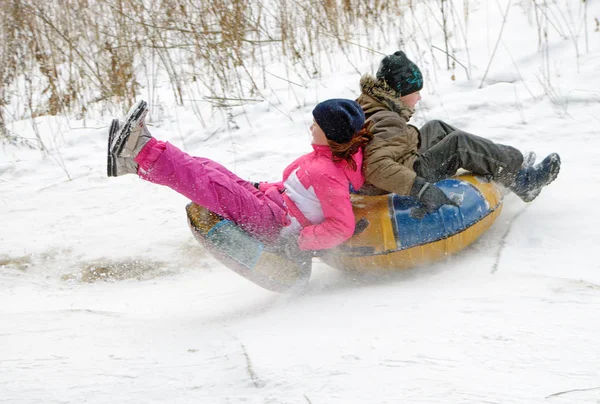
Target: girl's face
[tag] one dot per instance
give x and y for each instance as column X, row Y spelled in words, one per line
column 318, row 136
column 411, row 99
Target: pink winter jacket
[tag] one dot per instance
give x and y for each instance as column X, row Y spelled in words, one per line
column 330, row 182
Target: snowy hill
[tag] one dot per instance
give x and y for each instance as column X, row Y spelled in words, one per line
column 105, row 297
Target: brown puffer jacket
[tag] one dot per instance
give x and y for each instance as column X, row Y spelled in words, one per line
column 389, row 157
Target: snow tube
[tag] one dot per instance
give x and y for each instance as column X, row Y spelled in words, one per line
column 244, row 254
column 387, row 236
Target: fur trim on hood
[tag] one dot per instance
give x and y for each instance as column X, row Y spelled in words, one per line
column 378, row 96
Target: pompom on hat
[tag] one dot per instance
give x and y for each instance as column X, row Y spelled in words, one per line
column 339, row 118
column 400, row 73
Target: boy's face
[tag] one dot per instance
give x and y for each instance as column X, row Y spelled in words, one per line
column 411, row 99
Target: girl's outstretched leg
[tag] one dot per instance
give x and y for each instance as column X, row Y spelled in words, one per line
column 132, row 149
column 212, row 186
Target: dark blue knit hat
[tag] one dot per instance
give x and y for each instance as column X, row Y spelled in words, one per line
column 339, row 118
column 400, row 74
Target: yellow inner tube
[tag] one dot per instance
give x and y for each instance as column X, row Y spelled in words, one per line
column 380, row 246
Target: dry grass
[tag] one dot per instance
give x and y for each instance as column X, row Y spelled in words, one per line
column 65, row 54
column 61, row 56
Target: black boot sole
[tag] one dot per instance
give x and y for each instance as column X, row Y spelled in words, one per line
column 111, row 164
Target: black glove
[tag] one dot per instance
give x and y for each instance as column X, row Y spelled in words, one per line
column 429, row 196
column 294, row 253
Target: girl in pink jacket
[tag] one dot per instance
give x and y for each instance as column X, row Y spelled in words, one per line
column 309, row 209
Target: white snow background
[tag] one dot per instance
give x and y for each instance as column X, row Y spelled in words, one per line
column 105, row 297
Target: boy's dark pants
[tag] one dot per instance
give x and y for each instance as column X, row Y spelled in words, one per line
column 444, row 149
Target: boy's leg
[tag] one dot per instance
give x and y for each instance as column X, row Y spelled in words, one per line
column 444, row 149
column 449, row 151
column 432, row 133
column 210, row 185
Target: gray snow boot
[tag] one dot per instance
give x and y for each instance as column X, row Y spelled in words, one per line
column 529, row 181
column 116, row 166
column 133, row 135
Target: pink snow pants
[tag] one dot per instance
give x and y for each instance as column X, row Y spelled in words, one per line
column 212, row 186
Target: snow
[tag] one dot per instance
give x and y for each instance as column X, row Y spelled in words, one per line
column 105, row 297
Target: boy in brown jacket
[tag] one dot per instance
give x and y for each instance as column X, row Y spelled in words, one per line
column 404, row 160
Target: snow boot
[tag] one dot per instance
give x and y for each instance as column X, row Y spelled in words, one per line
column 133, row 135
column 529, row 181
column 116, row 166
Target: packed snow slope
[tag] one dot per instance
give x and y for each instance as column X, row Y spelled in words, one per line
column 105, row 297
